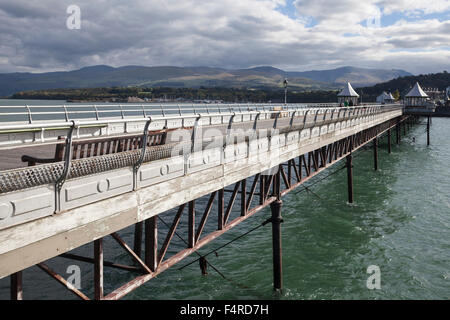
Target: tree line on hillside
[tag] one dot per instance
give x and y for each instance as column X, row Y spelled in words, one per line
column 188, row 94
column 401, row 86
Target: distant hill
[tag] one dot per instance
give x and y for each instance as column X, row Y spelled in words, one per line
column 357, row 76
column 265, row 77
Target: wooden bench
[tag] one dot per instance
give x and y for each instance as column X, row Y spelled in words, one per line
column 101, row 146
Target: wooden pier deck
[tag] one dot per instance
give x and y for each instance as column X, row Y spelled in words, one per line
column 11, row 158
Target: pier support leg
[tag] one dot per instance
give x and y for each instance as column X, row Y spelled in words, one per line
column 375, row 153
column 138, row 238
column 397, row 131
column 98, row 269
column 262, row 187
column 16, row 286
column 221, row 204
column 428, row 130
column 350, row 177
column 151, row 243
column 276, row 245
column 389, row 141
column 243, row 197
column 191, row 224
column 276, row 236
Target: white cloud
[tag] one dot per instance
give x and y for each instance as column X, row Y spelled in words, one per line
column 226, row 33
column 416, row 6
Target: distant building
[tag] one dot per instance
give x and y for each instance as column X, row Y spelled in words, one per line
column 447, row 97
column 385, row 98
column 348, row 96
column 434, row 93
column 416, row 97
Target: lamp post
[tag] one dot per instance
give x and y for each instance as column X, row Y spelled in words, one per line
column 285, row 91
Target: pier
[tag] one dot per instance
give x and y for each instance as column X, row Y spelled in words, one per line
column 96, row 170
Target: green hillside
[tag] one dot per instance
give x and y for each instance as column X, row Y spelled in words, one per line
column 191, row 77
column 404, row 84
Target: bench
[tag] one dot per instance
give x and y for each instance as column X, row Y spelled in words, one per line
column 101, row 146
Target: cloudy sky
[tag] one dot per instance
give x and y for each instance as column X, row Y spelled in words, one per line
column 40, row 35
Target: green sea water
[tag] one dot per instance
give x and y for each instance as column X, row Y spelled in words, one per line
column 400, row 222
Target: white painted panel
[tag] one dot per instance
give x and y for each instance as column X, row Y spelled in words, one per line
column 331, row 127
column 292, row 137
column 337, row 126
column 155, row 125
column 305, row 134
column 202, row 160
column 133, row 127
column 277, row 141
column 175, row 123
column 315, row 132
column 235, row 152
column 259, row 145
column 115, row 128
column 85, row 190
column 159, row 171
column 292, row 140
column 26, row 205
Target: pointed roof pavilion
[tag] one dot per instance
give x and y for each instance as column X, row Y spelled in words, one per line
column 416, row 92
column 348, row 91
column 384, row 96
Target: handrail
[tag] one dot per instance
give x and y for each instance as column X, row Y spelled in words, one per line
column 138, row 164
column 33, row 126
column 67, row 163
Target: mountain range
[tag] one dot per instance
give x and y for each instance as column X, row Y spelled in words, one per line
column 265, row 77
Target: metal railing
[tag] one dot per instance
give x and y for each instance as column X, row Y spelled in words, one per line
column 31, row 114
column 113, row 119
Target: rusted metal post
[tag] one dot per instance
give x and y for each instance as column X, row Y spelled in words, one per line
column 151, row 243
column 16, row 286
column 276, row 237
column 375, row 153
column 289, row 177
column 98, row 269
column 138, row 238
column 243, row 197
column 350, row 177
column 389, row 141
column 191, row 224
column 428, row 130
column 221, row 208
column 262, row 187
